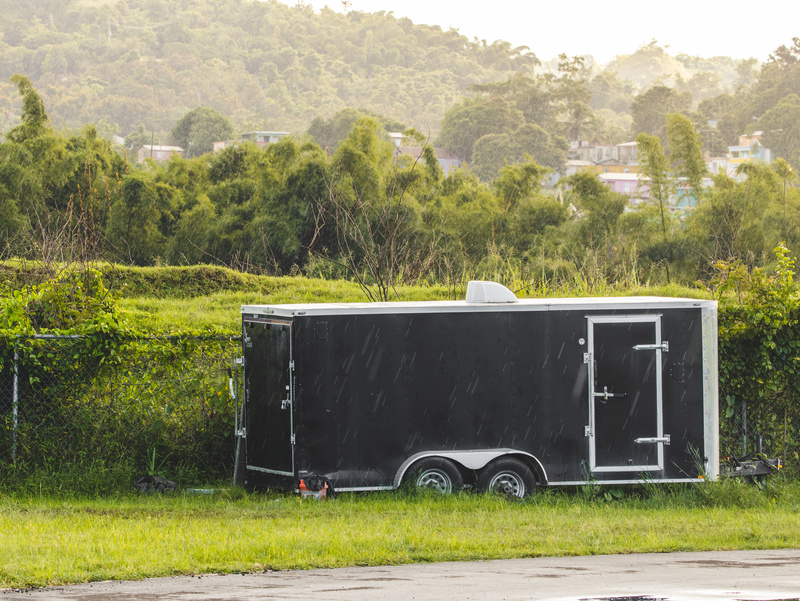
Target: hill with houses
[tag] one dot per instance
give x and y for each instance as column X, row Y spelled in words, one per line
column 125, row 64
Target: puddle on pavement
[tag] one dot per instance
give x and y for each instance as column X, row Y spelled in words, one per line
column 650, row 598
column 637, row 598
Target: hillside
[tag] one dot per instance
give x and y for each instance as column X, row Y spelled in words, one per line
column 122, row 63
column 651, row 64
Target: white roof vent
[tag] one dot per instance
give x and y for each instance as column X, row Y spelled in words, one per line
column 489, row 292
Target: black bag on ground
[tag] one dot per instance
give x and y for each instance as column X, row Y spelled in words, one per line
column 317, row 483
column 149, row 484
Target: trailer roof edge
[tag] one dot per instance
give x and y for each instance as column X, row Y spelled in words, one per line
column 537, row 304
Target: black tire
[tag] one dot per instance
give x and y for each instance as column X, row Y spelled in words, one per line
column 436, row 473
column 507, row 476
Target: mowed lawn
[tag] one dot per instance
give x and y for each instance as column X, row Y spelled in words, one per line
column 54, row 541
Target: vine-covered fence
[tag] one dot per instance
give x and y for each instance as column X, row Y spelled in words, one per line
column 164, row 405
column 144, row 405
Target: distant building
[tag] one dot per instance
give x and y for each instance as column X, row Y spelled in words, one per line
column 716, row 164
column 633, row 185
column 615, row 166
column 447, row 161
column 599, row 153
column 574, row 165
column 158, row 153
column 749, row 149
column 262, row 138
column 628, row 152
column 686, row 197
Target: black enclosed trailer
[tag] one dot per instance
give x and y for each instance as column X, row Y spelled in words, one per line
column 492, row 392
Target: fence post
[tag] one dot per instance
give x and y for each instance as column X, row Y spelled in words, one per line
column 15, row 403
column 744, row 427
column 236, row 391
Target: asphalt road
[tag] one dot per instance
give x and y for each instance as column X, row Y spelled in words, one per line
column 729, row 575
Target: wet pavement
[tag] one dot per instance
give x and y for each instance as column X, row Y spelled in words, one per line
column 723, row 575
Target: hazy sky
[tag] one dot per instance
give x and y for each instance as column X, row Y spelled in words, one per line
column 604, row 29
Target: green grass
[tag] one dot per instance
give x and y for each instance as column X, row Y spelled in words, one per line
column 160, row 299
column 207, row 297
column 221, row 310
column 54, row 540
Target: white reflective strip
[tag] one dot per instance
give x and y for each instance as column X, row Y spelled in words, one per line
column 628, row 468
column 266, row 471
column 639, row 481
column 363, row 488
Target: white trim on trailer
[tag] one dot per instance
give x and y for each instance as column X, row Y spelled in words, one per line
column 364, row 488
column 571, row 483
column 268, row 471
column 638, row 481
column 710, row 391
column 626, row 303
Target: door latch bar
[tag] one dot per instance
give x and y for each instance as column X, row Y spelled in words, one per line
column 664, row 346
column 663, row 439
column 607, row 395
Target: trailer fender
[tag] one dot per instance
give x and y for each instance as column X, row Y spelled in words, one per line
column 473, row 460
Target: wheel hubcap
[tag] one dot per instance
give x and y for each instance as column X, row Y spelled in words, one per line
column 435, row 480
column 508, row 483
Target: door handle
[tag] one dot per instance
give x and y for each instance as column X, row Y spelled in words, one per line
column 664, row 346
column 664, row 439
column 607, row 395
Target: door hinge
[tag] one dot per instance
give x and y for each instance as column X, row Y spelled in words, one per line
column 587, row 357
column 587, row 430
column 291, row 439
column 241, row 433
column 291, row 365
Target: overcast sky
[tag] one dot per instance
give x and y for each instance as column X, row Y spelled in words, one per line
column 604, row 29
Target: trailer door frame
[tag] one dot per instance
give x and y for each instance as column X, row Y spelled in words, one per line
column 602, row 401
column 269, row 413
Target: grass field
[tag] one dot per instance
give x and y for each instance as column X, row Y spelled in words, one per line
column 221, row 310
column 206, row 297
column 56, row 540
column 179, row 306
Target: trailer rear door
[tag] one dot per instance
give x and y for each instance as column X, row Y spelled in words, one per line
column 626, row 426
column 269, row 396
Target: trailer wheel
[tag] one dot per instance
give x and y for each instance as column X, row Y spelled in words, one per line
column 438, row 474
column 507, row 476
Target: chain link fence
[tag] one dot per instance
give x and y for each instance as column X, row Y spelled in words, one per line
column 157, row 405
column 765, row 427
column 164, row 405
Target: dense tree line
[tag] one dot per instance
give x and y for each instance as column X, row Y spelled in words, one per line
column 361, row 213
